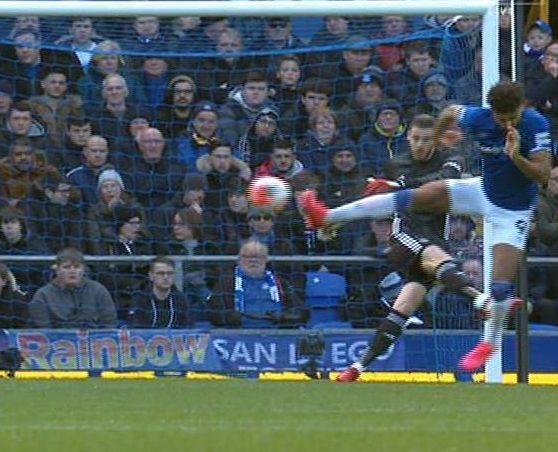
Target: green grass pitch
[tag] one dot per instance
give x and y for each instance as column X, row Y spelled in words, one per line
column 247, row 415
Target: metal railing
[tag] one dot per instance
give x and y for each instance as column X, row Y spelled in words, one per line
column 180, row 260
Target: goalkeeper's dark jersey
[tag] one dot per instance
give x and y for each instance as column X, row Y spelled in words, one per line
column 415, row 173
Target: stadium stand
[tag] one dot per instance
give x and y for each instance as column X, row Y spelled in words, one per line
column 126, row 108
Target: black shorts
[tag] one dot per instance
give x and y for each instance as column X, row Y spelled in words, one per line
column 410, row 236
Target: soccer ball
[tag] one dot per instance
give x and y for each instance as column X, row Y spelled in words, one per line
column 269, row 192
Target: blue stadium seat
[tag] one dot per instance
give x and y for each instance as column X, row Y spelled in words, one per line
column 324, row 292
column 542, row 327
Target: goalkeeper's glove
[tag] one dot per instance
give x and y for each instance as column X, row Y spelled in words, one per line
column 377, row 186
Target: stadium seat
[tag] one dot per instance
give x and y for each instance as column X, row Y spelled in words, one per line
column 542, row 327
column 324, row 292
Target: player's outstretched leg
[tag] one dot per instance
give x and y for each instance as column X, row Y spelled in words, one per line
column 315, row 210
column 387, row 334
column 500, row 308
column 375, row 206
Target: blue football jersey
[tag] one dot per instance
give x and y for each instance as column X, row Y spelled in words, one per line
column 504, row 184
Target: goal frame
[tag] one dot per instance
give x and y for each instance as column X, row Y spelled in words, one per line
column 265, row 8
column 488, row 9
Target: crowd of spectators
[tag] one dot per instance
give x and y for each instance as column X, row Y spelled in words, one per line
column 139, row 137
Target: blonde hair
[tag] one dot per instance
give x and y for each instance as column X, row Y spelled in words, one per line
column 108, row 48
column 324, row 112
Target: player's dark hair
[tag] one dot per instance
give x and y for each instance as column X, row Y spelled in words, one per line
column 423, row 121
column 506, row 97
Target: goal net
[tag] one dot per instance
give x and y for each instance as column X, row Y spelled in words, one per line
column 115, row 116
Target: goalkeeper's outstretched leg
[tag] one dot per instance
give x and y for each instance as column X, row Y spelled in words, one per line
column 427, row 264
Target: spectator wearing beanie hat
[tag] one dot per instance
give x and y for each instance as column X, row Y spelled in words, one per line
column 211, row 27
column 203, row 130
column 539, row 36
column 346, row 177
column 361, row 105
column 175, row 114
column 100, row 216
column 434, row 95
column 356, row 57
column 384, row 139
column 243, row 105
column 204, row 134
column 128, row 240
column 345, row 181
column 255, row 145
column 110, row 175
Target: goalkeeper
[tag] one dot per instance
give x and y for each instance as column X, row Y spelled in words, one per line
column 416, row 243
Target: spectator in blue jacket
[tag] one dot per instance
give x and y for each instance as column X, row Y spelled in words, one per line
column 384, row 139
column 253, row 296
column 203, row 130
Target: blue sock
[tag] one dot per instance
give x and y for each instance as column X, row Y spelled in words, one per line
column 404, row 200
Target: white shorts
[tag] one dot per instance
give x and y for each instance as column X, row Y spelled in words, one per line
column 510, row 227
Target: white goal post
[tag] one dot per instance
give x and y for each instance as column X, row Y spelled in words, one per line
column 489, row 9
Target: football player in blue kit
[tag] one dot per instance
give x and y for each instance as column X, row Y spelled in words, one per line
column 516, row 153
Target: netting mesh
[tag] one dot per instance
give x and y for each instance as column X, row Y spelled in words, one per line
column 108, row 144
